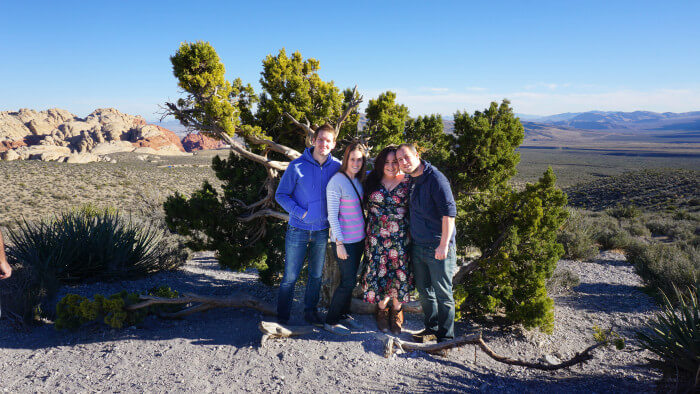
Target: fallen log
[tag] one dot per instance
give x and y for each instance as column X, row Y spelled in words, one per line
column 203, row 303
column 365, row 308
column 276, row 330
column 394, row 345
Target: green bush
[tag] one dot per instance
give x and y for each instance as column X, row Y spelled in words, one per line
column 73, row 310
column 617, row 238
column 577, row 237
column 624, row 211
column 665, row 266
column 76, row 246
column 673, row 335
column 637, row 228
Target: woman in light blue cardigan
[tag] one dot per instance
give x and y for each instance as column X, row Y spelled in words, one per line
column 346, row 219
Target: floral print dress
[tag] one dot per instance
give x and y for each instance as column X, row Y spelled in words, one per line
column 386, row 271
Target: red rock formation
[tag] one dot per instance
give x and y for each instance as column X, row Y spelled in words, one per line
column 198, row 141
column 7, row 145
column 165, row 138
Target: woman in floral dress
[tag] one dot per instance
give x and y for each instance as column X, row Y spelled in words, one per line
column 387, row 276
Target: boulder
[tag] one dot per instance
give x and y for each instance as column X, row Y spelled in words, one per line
column 107, row 148
column 82, row 158
column 145, row 150
column 42, row 152
column 9, row 155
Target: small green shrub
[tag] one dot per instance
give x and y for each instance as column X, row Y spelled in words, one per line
column 624, row 211
column 665, row 266
column 617, row 238
column 608, row 337
column 562, row 280
column 637, row 229
column 577, row 237
column 673, row 335
column 73, row 311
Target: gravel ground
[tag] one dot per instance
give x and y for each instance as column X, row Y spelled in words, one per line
column 219, row 350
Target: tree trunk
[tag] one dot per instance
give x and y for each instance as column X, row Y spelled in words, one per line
column 331, row 277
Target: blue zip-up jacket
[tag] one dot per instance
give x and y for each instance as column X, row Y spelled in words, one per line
column 302, row 189
column 431, row 199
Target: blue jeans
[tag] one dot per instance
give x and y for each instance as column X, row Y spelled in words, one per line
column 298, row 244
column 340, row 303
column 434, row 284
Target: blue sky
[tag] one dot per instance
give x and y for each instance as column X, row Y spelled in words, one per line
column 440, row 57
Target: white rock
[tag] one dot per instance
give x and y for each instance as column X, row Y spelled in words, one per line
column 9, row 155
column 107, row 148
column 81, row 158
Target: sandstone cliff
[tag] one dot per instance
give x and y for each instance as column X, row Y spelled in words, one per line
column 57, row 134
column 199, row 141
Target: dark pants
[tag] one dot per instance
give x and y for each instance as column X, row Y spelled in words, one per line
column 298, row 244
column 434, row 284
column 340, row 303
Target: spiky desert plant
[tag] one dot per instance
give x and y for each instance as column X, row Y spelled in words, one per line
column 674, row 336
column 87, row 244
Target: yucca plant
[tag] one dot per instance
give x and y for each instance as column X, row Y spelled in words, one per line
column 674, row 336
column 83, row 244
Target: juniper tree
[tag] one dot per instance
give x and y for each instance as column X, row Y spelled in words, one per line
column 515, row 231
column 426, row 132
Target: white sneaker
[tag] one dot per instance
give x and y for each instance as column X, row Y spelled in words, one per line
column 337, row 329
column 352, row 324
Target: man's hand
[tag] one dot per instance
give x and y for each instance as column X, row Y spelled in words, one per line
column 340, row 251
column 5, row 270
column 441, row 252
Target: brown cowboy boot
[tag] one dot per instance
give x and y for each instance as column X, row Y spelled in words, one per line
column 396, row 321
column 383, row 318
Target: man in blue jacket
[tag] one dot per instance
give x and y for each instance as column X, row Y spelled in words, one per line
column 302, row 193
column 432, row 212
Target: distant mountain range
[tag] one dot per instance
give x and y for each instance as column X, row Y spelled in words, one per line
column 589, row 128
column 637, row 120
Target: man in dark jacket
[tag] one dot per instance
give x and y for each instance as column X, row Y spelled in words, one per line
column 432, row 212
column 302, row 193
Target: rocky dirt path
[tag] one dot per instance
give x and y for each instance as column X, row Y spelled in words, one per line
column 219, row 351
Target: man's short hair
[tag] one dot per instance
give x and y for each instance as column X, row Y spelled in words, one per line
column 327, row 128
column 408, row 145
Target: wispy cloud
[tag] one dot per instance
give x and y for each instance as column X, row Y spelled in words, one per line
column 475, row 89
column 434, row 90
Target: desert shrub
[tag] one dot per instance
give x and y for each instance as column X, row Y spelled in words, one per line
column 577, row 237
column 613, row 237
column 624, row 211
column 676, row 229
column 673, row 335
column 82, row 245
column 665, row 266
column 637, row 228
column 73, row 310
column 562, row 280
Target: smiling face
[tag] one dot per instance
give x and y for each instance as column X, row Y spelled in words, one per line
column 324, row 143
column 408, row 160
column 355, row 163
column 391, row 166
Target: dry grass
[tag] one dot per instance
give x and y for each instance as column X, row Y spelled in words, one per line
column 34, row 189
